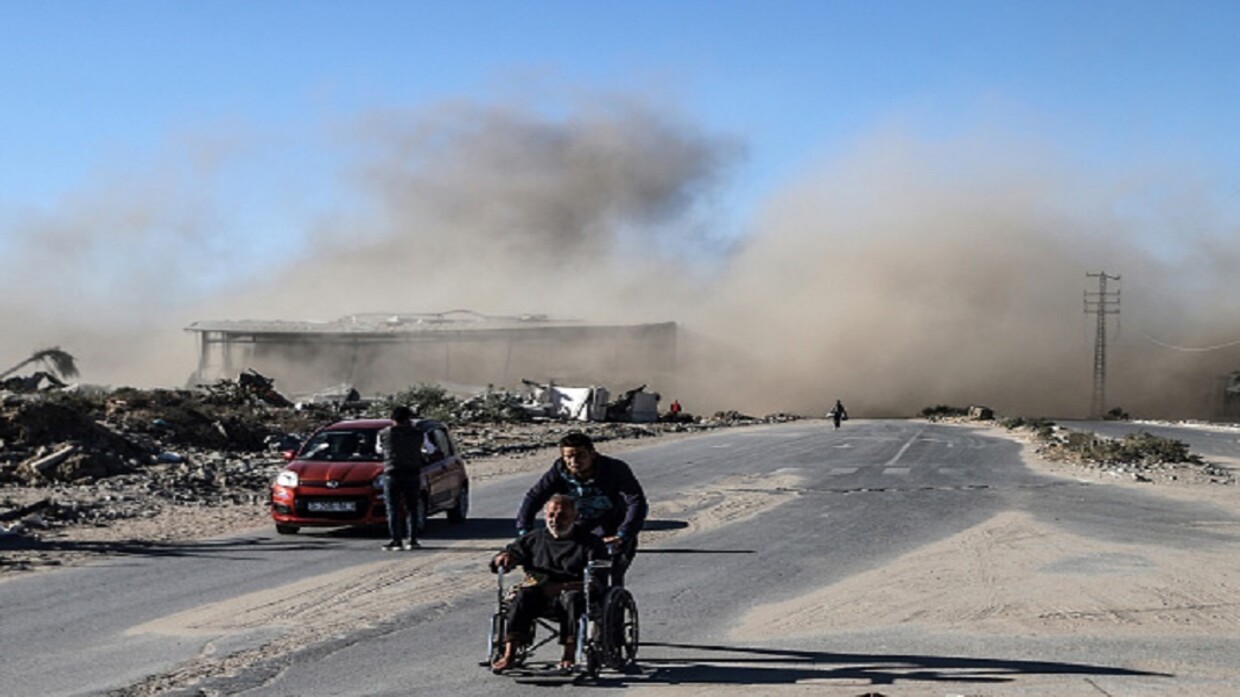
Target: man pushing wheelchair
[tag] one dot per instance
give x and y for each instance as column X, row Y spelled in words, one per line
column 593, row 508
column 610, row 501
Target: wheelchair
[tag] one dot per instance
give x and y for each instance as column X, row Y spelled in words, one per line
column 607, row 630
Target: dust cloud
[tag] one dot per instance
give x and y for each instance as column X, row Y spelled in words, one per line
column 906, row 274
column 895, row 275
column 505, row 212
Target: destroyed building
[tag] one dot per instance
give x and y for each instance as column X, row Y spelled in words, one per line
column 383, row 352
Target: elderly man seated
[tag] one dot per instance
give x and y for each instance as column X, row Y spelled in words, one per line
column 554, row 560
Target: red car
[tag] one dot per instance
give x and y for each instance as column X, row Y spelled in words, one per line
column 336, row 479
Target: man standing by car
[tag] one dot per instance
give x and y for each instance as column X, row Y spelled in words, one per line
column 555, row 560
column 610, row 500
column 402, row 482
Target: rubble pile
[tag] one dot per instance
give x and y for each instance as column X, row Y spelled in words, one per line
column 211, row 480
column 67, row 437
column 94, row 458
column 493, row 406
column 76, row 457
column 736, row 418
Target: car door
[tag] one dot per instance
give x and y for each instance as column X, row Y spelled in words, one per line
column 453, row 468
column 438, row 485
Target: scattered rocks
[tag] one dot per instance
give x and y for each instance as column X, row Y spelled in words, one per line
column 1139, row 456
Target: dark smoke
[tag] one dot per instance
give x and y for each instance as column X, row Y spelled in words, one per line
column 505, row 211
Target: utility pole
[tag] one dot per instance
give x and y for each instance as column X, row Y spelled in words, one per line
column 1101, row 303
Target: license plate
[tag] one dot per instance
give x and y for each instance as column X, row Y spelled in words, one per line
column 331, row 506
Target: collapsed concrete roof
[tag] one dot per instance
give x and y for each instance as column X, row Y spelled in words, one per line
column 385, row 351
column 386, row 323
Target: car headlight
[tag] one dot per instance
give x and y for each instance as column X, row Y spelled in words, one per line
column 286, row 478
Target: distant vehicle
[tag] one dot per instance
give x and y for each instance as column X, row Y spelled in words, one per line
column 336, row 479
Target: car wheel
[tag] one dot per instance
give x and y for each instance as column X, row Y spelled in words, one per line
column 287, row 529
column 460, row 511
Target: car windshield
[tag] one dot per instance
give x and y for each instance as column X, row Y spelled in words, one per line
column 342, row 445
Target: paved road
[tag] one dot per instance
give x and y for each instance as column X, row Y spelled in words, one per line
column 743, row 517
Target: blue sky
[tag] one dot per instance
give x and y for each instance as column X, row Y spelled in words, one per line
column 164, row 162
column 96, row 91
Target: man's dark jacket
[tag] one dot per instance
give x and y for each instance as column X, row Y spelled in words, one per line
column 556, row 560
column 402, row 449
column 612, row 503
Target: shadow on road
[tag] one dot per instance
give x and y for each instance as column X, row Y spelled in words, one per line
column 484, row 530
column 687, row 550
column 739, row 665
column 234, row 548
column 653, row 525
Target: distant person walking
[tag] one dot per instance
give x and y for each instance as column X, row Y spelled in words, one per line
column 838, row 413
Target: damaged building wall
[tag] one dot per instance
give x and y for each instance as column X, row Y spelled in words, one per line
column 395, row 352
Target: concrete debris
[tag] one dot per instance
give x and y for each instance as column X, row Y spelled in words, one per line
column 24, row 511
column 636, row 406
column 591, row 403
column 58, row 362
column 980, row 413
column 36, row 382
column 250, row 386
column 551, row 401
column 492, row 406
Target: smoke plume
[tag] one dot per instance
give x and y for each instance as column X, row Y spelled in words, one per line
column 908, row 274
column 900, row 274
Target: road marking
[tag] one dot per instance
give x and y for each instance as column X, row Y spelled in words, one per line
column 896, row 470
column 843, row 470
column 905, row 447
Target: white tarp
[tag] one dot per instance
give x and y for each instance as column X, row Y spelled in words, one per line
column 580, row 403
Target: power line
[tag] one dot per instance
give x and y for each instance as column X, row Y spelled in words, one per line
column 1229, row 344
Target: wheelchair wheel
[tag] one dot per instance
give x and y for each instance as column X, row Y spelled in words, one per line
column 620, row 629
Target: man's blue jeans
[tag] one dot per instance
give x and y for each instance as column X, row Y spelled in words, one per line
column 400, row 494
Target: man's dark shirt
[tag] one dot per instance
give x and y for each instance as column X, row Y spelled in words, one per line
column 548, row 559
column 610, row 503
column 402, row 449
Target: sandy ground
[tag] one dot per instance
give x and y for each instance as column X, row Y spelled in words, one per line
column 997, row 577
column 1014, row 576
